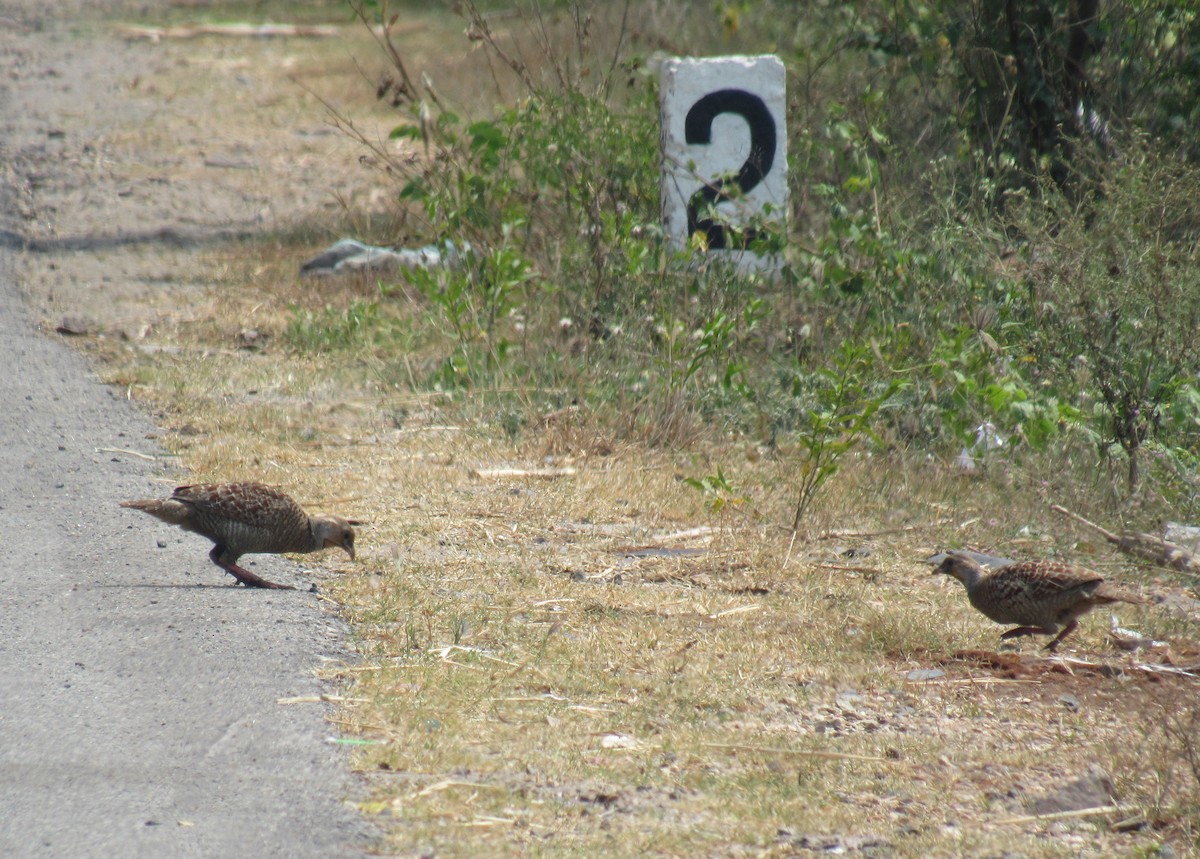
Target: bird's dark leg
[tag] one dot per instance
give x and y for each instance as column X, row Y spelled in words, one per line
column 1067, row 630
column 247, row 578
column 1027, row 630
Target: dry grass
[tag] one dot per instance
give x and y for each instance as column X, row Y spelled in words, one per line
column 532, row 680
column 596, row 664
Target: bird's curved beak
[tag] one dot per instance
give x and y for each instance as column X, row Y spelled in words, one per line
column 334, row 544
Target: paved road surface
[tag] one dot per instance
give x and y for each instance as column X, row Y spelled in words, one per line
column 138, row 692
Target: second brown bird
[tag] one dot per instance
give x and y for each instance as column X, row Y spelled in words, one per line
column 1042, row 597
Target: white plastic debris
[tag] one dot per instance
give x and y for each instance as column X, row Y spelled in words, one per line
column 1187, row 536
column 618, row 741
column 987, row 438
column 353, row 255
column 1129, row 639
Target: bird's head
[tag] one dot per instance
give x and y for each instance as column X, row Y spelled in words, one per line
column 334, row 532
column 960, row 567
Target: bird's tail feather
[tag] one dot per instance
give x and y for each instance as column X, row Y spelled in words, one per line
column 1105, row 592
column 166, row 510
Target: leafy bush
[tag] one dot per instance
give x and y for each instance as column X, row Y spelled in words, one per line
column 844, row 399
column 1114, row 298
column 937, row 262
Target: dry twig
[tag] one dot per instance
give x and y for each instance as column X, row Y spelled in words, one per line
column 1144, row 546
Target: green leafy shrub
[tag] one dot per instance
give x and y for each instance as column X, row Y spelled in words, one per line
column 1114, row 299
column 331, row 329
column 928, row 268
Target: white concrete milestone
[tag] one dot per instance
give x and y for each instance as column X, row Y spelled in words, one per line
column 724, row 146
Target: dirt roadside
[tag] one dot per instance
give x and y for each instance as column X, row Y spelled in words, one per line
column 141, row 710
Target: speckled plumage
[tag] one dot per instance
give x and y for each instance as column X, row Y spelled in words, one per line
column 248, row 518
column 1042, row 597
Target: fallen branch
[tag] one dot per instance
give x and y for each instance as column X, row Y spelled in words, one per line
column 1064, row 815
column 322, row 699
column 844, row 568
column 806, row 753
column 156, row 34
column 449, row 783
column 899, row 529
column 686, row 534
column 1144, row 546
column 544, row 473
column 127, row 452
column 1112, row 669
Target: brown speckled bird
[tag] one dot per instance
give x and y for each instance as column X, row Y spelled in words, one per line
column 248, row 518
column 1040, row 596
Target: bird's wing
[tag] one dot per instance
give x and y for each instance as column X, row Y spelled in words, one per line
column 253, row 504
column 1049, row 579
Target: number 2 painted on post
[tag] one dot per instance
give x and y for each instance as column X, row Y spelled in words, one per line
column 763, row 141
